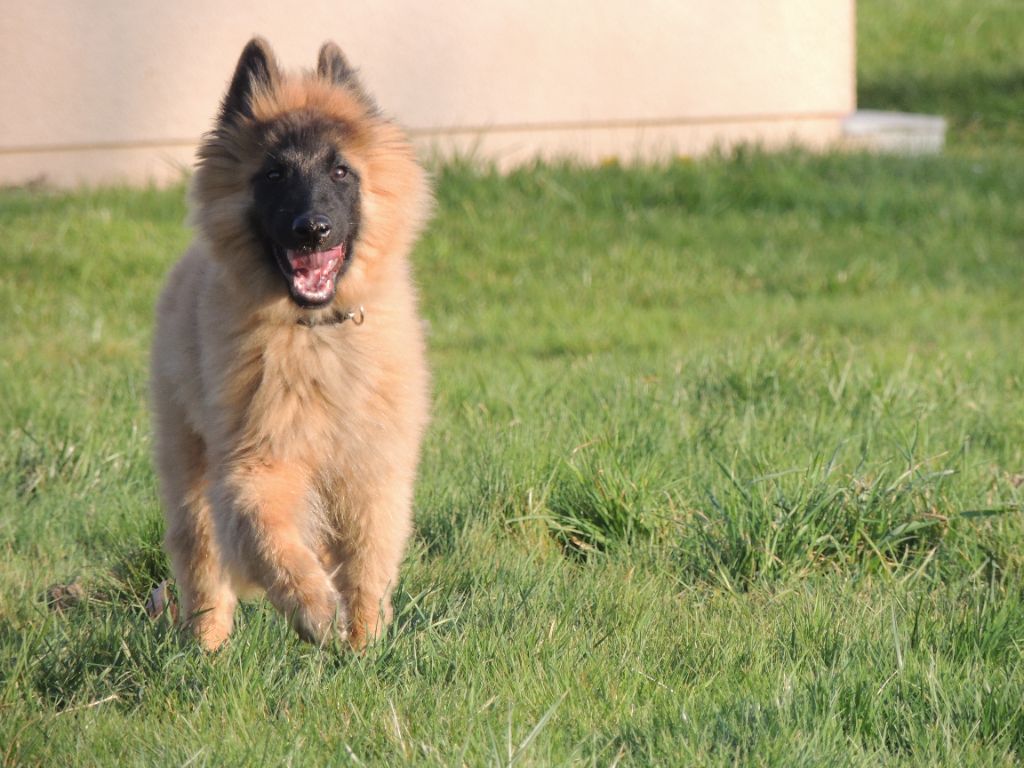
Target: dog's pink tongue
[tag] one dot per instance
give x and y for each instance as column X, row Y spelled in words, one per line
column 313, row 272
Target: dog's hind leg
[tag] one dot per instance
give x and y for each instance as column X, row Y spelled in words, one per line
column 207, row 599
column 265, row 506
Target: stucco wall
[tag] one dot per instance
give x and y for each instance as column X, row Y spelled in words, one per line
column 103, row 90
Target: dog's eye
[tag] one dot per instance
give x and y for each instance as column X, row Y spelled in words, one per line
column 275, row 174
column 339, row 172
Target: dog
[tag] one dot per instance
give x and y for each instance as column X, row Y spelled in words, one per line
column 289, row 384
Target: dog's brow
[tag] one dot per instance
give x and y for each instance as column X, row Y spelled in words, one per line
column 306, row 156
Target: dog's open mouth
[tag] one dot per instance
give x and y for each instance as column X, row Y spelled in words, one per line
column 312, row 275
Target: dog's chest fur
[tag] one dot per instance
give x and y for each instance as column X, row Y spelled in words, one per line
column 301, row 393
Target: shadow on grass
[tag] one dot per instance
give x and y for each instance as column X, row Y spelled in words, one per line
column 978, row 105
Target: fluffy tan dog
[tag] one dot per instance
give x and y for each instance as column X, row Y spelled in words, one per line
column 289, row 386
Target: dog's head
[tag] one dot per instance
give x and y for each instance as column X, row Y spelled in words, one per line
column 303, row 172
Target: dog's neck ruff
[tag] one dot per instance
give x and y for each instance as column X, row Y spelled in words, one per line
column 337, row 317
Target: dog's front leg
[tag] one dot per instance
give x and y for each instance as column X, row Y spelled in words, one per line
column 207, row 599
column 269, row 535
column 369, row 551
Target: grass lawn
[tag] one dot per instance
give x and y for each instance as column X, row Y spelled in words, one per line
column 726, row 467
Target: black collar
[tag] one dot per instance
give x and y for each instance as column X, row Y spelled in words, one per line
column 336, row 317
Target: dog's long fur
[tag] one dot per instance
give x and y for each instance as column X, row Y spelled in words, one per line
column 287, row 442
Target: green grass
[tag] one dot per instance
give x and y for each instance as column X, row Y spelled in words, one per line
column 958, row 58
column 727, row 465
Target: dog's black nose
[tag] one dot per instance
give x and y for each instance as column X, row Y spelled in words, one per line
column 312, row 227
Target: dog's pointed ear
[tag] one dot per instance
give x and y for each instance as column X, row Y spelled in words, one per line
column 256, row 69
column 333, row 67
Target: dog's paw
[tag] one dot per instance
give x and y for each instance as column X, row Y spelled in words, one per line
column 324, row 625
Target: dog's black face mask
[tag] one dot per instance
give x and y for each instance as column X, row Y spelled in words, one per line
column 306, row 205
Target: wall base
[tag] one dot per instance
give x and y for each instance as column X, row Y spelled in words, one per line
column 163, row 164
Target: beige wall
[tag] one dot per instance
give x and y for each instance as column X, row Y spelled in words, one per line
column 103, row 90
